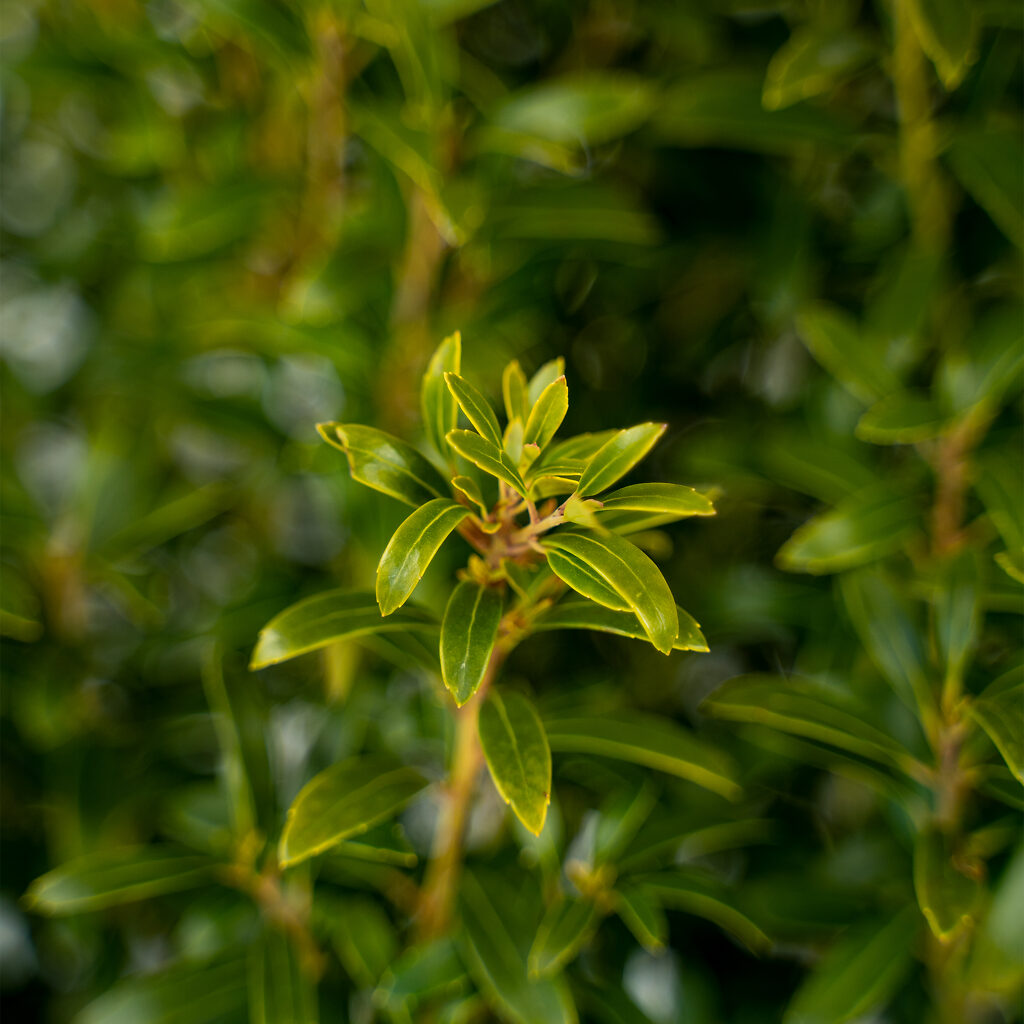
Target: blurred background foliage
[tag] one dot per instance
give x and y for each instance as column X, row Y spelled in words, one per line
column 226, row 220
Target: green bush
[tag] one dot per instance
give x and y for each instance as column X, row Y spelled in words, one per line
column 789, row 229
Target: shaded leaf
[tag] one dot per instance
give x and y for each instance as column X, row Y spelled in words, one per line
column 566, row 926
column 476, row 407
column 902, row 418
column 345, row 800
column 947, row 898
column 997, row 955
column 617, row 456
column 385, row 463
column 576, row 614
column 280, row 992
column 998, row 710
column 422, row 972
column 988, row 164
column 468, row 633
column 947, row 31
column 645, row 740
column 643, row 916
column 333, row 615
column 957, row 611
column 812, row 62
column 412, row 548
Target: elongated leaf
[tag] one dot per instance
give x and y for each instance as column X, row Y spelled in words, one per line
column 547, row 413
column 948, row 899
column 798, row 707
column 477, row 409
column 547, row 374
column 997, row 709
column 625, row 569
column 648, row 741
column 859, row 530
column 280, row 992
column 411, row 550
column 586, row 581
column 512, row 441
column 468, row 633
column 643, row 916
column 947, row 31
column 437, row 404
column 812, row 62
column 385, row 463
column 333, row 615
column 550, row 486
column 1000, row 485
column 988, row 164
column 997, row 956
column 491, row 458
column 836, row 342
column 704, row 896
column 617, row 456
column 582, row 447
column 890, row 636
column 667, row 499
column 360, row 932
column 423, row 972
column 859, row 974
column 345, row 800
column 208, row 993
column 619, row 819
column 667, row 840
column 957, row 611
column 106, row 879
column 572, row 613
column 566, row 927
column 498, row 964
column 513, row 392
column 902, row 418
column 471, row 489
column 518, row 756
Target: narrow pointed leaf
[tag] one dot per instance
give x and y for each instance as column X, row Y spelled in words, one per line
column 648, row 741
column 566, row 927
column 468, row 633
column 333, row 615
column 580, row 447
column 643, row 916
column 859, row 974
column 471, row 489
column 902, row 418
column 811, row 62
column 573, row 613
column 668, row 499
column 343, row 801
column 513, row 391
column 548, row 373
column 385, row 463
column 798, row 707
column 280, row 990
column 550, row 486
column 476, row 407
column 437, row 404
column 512, row 441
column 617, row 456
column 987, row 162
column 947, row 32
column 948, row 899
column 586, row 581
column 411, row 550
column 518, row 756
column 490, row 457
column 547, row 413
column 107, row 879
column 625, row 569
column 997, row 709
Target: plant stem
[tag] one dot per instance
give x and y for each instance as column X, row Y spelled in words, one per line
column 437, row 896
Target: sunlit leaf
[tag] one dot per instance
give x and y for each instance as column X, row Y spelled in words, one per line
column 476, row 407
column 572, row 613
column 617, row 456
column 345, row 800
column 491, row 458
column 437, row 404
column 468, row 633
column 411, row 550
column 513, row 391
column 547, row 413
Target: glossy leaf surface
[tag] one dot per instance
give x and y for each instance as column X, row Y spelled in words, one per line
column 468, row 633
column 490, row 457
column 547, row 413
column 572, row 613
column 437, row 404
column 617, row 456
column 476, row 407
column 280, row 989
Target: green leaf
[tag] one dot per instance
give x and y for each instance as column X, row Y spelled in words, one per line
column 385, row 463
column 626, row 570
column 488, row 456
column 860, row 529
column 804, row 709
column 207, row 993
column 957, row 602
column 512, row 441
column 495, row 960
column 550, row 486
column 424, row 971
column 948, row 34
column 836, row 342
column 437, row 404
column 700, row 894
column 513, row 392
column 861, row 973
column 948, row 899
column 669, row 840
column 477, row 409
column 645, row 740
column 345, row 800
column 547, row 413
column 891, row 637
column 468, row 633
column 360, row 932
column 988, row 164
column 411, row 550
column 997, row 954
column 811, row 62
column 280, row 992
column 517, row 753
column 107, row 879
column 566, row 926
column 1000, row 485
column 575, row 614
column 586, row 581
column 620, row 817
column 333, row 615
column 643, row 916
column 471, row 489
column 546, row 375
column 997, row 709
column 617, row 456
column 646, row 506
column 902, row 418
column 581, row 447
